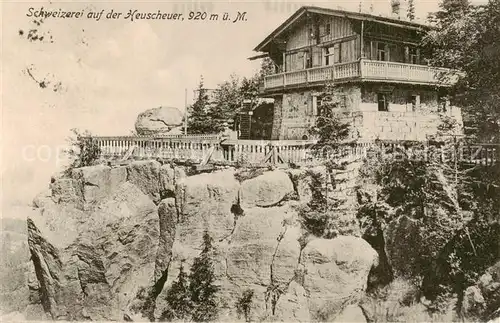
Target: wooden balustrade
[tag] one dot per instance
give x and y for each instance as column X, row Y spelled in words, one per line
column 255, row 152
column 364, row 70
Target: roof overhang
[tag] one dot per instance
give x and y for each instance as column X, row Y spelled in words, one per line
column 339, row 13
column 258, row 56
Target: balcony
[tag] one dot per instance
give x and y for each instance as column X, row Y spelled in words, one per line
column 362, row 70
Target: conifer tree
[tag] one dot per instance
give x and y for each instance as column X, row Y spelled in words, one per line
column 202, row 286
column 199, row 121
column 178, row 300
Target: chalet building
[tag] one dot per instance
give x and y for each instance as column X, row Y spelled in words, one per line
column 383, row 84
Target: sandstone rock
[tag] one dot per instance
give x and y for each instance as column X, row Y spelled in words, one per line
column 105, row 259
column 351, row 313
column 489, row 287
column 98, row 182
column 14, row 265
column 146, row 176
column 473, row 302
column 169, row 177
column 67, row 190
column 293, row 306
column 266, row 189
column 167, row 213
column 118, row 259
column 336, row 272
column 158, row 120
column 43, row 199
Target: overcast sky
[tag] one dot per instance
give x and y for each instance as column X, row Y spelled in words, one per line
column 110, row 70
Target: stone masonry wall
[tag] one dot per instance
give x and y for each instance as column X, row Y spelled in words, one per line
column 298, row 115
column 294, row 113
column 277, row 118
column 415, row 126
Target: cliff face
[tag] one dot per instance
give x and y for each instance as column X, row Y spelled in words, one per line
column 107, row 243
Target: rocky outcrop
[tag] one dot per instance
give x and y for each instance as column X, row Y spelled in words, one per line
column 483, row 298
column 111, row 249
column 336, row 274
column 158, row 121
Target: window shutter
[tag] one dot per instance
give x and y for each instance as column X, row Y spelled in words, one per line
column 407, row 54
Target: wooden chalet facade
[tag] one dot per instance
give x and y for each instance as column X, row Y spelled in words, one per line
column 376, row 63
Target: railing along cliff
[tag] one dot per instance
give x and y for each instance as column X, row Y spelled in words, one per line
column 363, row 69
column 214, row 149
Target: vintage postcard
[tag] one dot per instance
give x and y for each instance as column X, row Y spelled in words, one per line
column 250, row 161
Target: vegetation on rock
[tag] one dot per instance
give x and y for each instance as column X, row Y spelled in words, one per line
column 244, row 304
column 194, row 297
column 83, row 149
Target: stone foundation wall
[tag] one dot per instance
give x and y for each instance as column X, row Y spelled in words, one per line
column 277, row 119
column 297, row 113
column 418, row 126
column 297, row 116
column 398, row 97
column 294, row 113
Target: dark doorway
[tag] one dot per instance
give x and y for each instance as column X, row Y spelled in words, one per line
column 262, row 122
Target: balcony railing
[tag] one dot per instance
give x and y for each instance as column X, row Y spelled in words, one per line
column 365, row 70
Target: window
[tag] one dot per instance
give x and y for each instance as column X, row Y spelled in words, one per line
column 382, row 51
column 383, row 103
column 308, row 59
column 332, row 54
column 413, row 56
column 413, row 102
column 328, row 29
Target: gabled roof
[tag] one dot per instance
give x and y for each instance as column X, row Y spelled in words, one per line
column 339, row 13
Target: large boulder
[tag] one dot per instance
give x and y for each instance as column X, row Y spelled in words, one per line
column 267, row 189
column 336, row 273
column 158, row 121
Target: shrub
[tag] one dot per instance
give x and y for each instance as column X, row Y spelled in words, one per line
column 321, row 216
column 244, row 304
column 83, row 150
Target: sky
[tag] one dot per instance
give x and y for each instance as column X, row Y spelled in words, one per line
column 101, row 73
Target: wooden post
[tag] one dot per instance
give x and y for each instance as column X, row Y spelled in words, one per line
column 185, row 111
column 362, row 47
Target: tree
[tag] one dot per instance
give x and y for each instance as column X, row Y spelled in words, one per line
column 329, row 127
column 227, row 102
column 199, row 121
column 452, row 9
column 202, row 286
column 467, row 39
column 178, row 299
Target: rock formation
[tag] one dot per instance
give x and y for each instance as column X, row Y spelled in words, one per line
column 107, row 243
column 158, row 121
